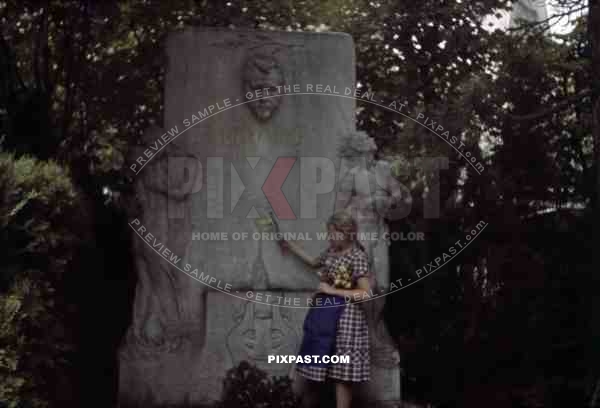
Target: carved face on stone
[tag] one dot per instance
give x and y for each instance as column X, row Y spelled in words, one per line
column 358, row 149
column 261, row 330
column 262, row 72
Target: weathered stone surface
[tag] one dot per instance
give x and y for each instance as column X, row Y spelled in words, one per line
column 385, row 361
column 238, row 330
column 300, row 126
column 195, row 333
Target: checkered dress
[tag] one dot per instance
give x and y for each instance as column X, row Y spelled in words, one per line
column 352, row 337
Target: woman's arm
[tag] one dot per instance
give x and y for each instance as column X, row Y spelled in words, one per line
column 311, row 261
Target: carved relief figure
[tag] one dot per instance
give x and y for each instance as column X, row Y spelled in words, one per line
column 183, row 175
column 360, row 193
column 261, row 330
column 368, row 191
column 157, row 312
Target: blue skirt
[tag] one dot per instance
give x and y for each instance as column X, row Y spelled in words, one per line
column 320, row 329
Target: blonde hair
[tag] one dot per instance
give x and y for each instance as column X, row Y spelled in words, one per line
column 343, row 221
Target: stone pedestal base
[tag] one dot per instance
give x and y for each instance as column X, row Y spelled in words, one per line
column 239, row 330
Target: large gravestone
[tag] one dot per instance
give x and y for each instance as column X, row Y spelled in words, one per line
column 185, row 334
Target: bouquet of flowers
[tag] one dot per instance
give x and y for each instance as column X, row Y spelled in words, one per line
column 341, row 278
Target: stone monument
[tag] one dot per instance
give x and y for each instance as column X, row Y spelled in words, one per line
column 369, row 191
column 241, row 98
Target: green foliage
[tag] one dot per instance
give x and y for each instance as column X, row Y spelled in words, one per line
column 503, row 325
column 38, row 213
column 246, row 386
column 38, row 219
column 31, row 343
column 496, row 320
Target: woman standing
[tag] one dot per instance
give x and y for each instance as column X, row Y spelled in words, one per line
column 345, row 325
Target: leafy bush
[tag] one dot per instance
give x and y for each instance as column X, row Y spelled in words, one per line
column 38, row 206
column 38, row 234
column 246, row 386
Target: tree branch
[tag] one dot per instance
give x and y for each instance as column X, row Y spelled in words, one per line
column 551, row 110
column 558, row 17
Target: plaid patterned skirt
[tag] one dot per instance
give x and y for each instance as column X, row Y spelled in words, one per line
column 352, row 340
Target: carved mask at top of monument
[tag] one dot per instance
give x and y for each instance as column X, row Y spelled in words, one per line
column 262, row 72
